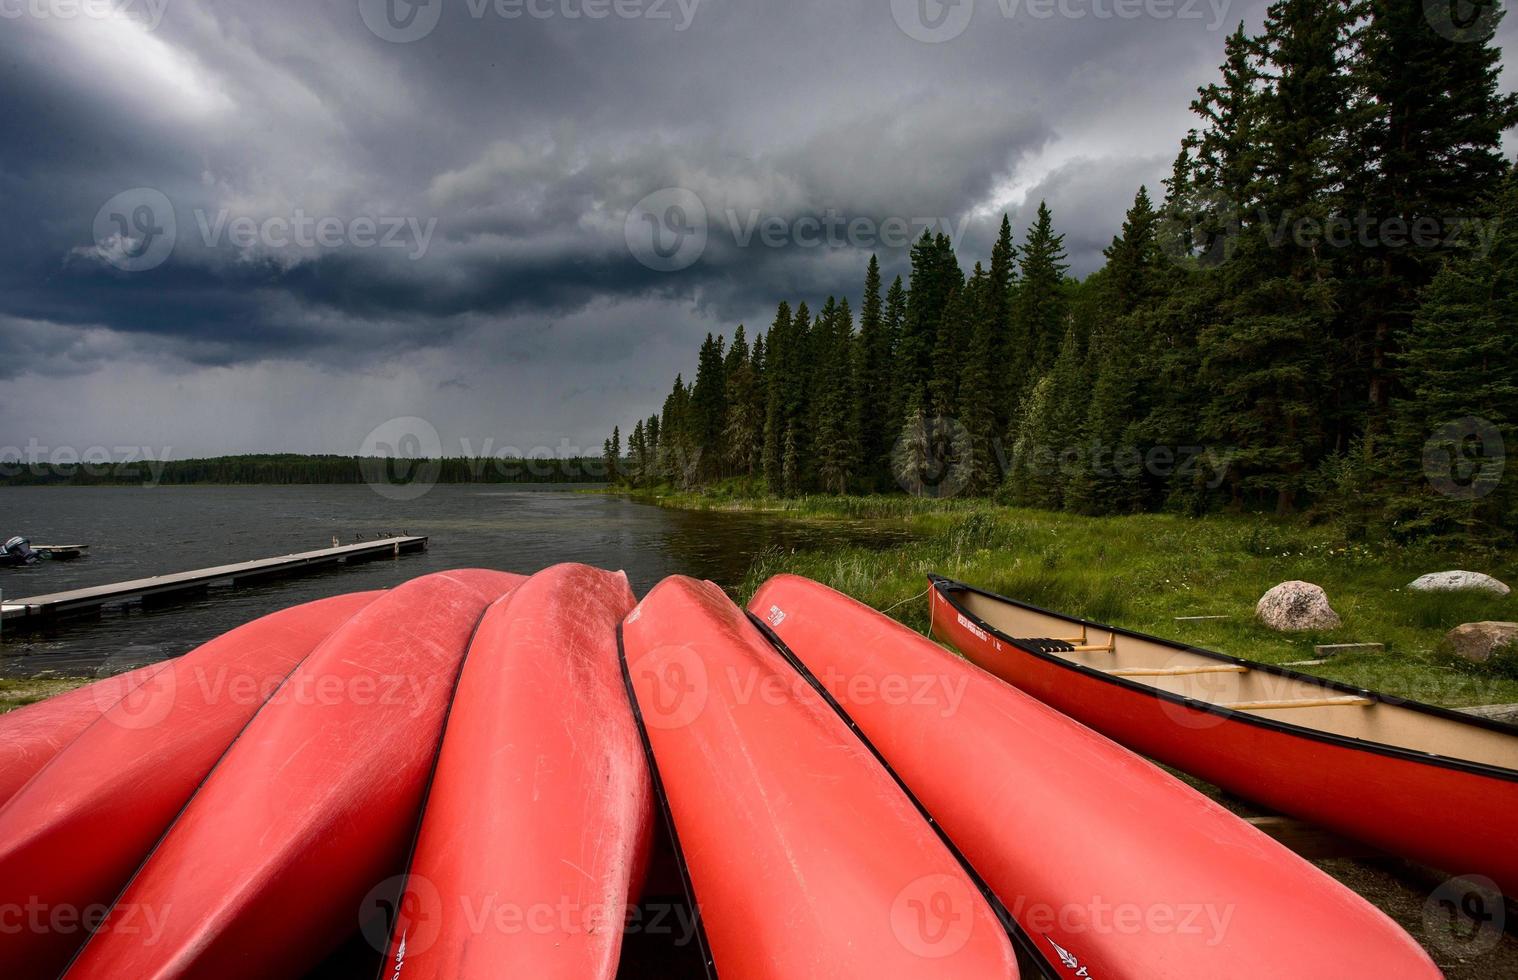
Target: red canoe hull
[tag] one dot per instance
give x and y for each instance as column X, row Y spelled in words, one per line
column 307, row 818
column 1103, row 857
column 31, row 736
column 71, row 838
column 805, row 857
column 538, row 822
column 1455, row 819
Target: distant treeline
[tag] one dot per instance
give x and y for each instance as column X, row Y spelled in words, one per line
column 290, row 469
column 1320, row 313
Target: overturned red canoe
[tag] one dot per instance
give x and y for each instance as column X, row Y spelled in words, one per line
column 538, row 821
column 71, row 837
column 805, row 857
column 31, row 736
column 1119, row 869
column 1360, row 763
column 311, row 808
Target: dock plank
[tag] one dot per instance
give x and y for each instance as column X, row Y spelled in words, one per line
column 99, row 596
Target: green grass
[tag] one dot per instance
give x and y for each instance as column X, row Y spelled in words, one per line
column 20, row 693
column 1144, row 571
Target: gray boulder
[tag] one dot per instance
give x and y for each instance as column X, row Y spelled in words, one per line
column 1457, row 581
column 1480, row 642
column 1294, row 606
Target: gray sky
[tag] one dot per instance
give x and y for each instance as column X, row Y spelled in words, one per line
column 241, row 226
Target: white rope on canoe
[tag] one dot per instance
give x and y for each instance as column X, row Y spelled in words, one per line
column 905, row 601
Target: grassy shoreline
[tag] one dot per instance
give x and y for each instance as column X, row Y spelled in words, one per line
column 1144, row 571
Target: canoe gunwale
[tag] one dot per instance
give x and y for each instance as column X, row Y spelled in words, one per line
column 946, row 587
column 708, row 962
column 1029, row 956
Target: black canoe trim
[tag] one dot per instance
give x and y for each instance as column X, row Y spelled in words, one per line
column 1029, row 958
column 947, row 587
column 669, row 817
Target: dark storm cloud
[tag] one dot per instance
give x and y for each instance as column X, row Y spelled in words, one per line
column 509, row 152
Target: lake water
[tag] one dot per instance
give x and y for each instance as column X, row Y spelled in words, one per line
column 136, row 532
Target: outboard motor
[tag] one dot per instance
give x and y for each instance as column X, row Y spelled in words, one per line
column 18, row 551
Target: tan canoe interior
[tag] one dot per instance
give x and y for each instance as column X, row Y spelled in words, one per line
column 1260, row 693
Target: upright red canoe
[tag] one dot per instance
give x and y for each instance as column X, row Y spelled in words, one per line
column 31, row 736
column 805, row 857
column 538, row 822
column 1118, row 868
column 311, row 808
column 71, row 838
column 1360, row 763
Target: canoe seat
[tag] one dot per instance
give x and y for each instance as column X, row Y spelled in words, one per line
column 1044, row 644
column 1347, row 701
column 1176, row 671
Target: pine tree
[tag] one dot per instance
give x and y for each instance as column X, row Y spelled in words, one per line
column 637, row 452
column 837, row 445
column 874, row 372
column 1436, row 116
column 979, row 391
column 790, row 466
column 1459, row 358
column 708, row 409
column 1119, row 349
column 778, row 361
column 1266, row 357
column 743, row 424
column 1039, row 306
column 1008, row 354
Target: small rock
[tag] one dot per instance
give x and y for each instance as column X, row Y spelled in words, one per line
column 1458, row 582
column 1297, row 606
column 1480, row 642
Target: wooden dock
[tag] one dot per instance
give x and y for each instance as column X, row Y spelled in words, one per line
column 38, row 609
